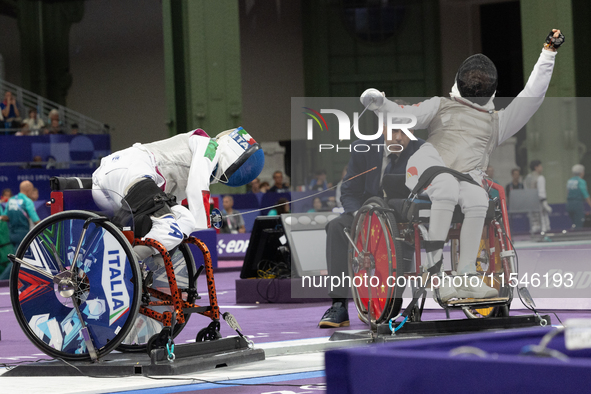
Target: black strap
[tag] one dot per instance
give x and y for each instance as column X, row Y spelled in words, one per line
column 430, row 173
column 420, row 291
column 431, row 246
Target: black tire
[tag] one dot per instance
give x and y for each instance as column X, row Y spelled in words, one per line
column 105, row 255
column 387, row 225
column 145, row 327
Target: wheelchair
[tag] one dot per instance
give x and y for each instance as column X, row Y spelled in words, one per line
column 79, row 292
column 388, row 234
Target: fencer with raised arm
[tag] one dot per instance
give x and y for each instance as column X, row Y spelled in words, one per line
column 464, row 129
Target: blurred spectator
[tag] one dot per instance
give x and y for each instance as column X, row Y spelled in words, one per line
column 282, row 208
column 74, row 129
column 279, row 186
column 10, row 111
column 316, row 205
column 577, row 195
column 37, row 162
column 35, row 194
column 339, row 185
column 21, row 217
column 515, row 183
column 319, row 182
column 6, row 194
column 34, row 122
column 490, row 172
column 54, row 127
column 6, row 247
column 255, row 186
column 264, row 187
column 25, row 130
column 54, row 114
column 232, row 224
column 539, row 221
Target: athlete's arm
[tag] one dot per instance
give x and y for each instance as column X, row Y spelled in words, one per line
column 525, row 105
column 202, row 166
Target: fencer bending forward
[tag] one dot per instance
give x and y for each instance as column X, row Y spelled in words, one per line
column 464, row 129
column 151, row 176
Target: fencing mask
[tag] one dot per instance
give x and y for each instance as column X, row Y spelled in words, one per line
column 477, row 79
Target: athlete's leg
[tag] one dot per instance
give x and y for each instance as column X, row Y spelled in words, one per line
column 474, row 204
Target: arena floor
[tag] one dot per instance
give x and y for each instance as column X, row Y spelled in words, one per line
column 288, row 332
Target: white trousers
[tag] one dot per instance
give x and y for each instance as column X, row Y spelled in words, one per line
column 445, row 192
column 121, row 170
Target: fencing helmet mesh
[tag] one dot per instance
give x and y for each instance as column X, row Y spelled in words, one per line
column 241, row 158
column 477, row 79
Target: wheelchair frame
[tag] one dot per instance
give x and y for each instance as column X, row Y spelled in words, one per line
column 181, row 308
column 414, row 231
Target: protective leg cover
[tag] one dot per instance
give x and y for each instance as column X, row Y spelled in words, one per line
column 474, row 203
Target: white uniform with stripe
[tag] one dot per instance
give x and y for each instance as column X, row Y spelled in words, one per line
column 181, row 165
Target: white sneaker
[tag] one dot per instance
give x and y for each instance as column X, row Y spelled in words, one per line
column 447, row 290
column 482, row 290
column 446, row 293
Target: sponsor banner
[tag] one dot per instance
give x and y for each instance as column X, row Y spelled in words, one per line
column 232, row 246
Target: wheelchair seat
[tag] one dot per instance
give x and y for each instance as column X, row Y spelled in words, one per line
column 420, row 208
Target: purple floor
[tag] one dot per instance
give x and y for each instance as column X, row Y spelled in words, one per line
column 261, row 322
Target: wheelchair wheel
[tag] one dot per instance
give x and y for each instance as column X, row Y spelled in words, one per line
column 145, row 327
column 104, row 290
column 378, row 254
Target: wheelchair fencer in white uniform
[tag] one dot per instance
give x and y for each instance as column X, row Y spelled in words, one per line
column 183, row 166
column 464, row 129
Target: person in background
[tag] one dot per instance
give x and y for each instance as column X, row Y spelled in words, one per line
column 21, row 217
column 278, row 186
column 232, row 224
column 54, row 127
column 37, row 162
column 578, row 193
column 316, row 205
column 539, row 221
column 34, row 122
column 35, row 194
column 357, row 189
column 490, row 173
column 74, row 129
column 6, row 194
column 515, row 183
column 282, row 208
column 6, row 247
column 10, row 111
column 255, row 186
column 319, row 182
column 264, row 188
column 339, row 186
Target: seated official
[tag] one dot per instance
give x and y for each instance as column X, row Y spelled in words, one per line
column 354, row 193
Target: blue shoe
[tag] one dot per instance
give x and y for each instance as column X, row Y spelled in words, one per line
column 335, row 316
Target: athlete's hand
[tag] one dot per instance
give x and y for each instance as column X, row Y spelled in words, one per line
column 554, row 40
column 373, row 99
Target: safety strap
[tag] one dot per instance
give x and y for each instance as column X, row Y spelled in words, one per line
column 420, row 291
column 431, row 246
column 430, row 173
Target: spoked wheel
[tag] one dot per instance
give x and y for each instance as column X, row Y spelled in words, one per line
column 378, row 254
column 99, row 292
column 486, row 256
column 145, row 327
